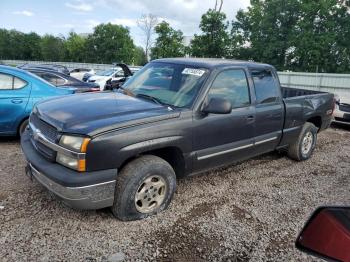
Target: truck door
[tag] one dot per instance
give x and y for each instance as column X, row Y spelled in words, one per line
column 269, row 110
column 221, row 139
column 14, row 96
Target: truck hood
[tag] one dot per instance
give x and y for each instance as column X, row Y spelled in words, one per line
column 94, row 113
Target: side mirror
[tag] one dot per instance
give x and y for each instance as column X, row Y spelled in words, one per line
column 217, row 106
column 327, row 234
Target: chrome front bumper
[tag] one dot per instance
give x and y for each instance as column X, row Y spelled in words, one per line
column 339, row 116
column 94, row 196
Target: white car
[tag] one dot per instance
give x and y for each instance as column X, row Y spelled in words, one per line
column 115, row 73
column 78, row 73
column 342, row 111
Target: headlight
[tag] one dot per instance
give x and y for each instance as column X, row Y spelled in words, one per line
column 75, row 143
column 67, row 161
column 71, row 162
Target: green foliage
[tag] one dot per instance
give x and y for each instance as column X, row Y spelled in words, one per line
column 214, row 40
column 17, row 45
column 294, row 35
column 110, row 43
column 75, row 46
column 52, row 48
column 168, row 42
column 322, row 38
column 139, row 56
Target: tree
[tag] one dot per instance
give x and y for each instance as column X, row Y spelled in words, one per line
column 5, row 52
column 294, row 35
column 110, row 43
column 139, row 56
column 263, row 32
column 214, row 40
column 52, row 48
column 321, row 39
column 147, row 23
column 168, row 43
column 75, row 46
column 32, row 46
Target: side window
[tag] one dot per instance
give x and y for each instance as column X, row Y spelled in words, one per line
column 60, row 81
column 231, row 85
column 9, row 82
column 18, row 83
column 266, row 88
column 119, row 74
column 48, row 78
column 53, row 79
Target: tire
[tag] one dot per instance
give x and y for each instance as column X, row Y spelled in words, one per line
column 144, row 187
column 305, row 144
column 23, row 127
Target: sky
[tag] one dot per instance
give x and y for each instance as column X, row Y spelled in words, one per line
column 62, row 16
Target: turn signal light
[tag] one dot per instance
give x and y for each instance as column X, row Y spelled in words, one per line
column 82, row 165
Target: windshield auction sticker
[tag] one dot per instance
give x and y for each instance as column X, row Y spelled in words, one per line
column 193, row 71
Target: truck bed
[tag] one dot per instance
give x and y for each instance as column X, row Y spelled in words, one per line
column 302, row 105
column 288, row 92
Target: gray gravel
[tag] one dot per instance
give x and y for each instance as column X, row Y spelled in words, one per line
column 250, row 211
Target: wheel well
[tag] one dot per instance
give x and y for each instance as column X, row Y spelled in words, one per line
column 172, row 155
column 316, row 120
column 20, row 123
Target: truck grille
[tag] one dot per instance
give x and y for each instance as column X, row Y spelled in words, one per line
column 47, row 130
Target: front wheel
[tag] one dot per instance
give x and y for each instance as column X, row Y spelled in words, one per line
column 145, row 186
column 305, row 144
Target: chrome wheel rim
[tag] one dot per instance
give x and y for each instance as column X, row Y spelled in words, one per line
column 150, row 194
column 307, row 143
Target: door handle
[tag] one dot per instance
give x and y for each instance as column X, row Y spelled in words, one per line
column 250, row 118
column 17, row 101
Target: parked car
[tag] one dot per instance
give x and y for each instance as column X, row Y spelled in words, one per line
column 135, row 69
column 63, row 80
column 117, row 73
column 327, row 234
column 79, row 73
column 53, row 67
column 342, row 111
column 115, row 83
column 86, row 76
column 19, row 91
column 174, row 118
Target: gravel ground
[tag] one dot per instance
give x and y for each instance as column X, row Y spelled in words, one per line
column 250, row 211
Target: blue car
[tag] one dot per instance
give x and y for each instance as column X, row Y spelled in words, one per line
column 19, row 92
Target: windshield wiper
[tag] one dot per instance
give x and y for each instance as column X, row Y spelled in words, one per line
column 126, row 91
column 155, row 100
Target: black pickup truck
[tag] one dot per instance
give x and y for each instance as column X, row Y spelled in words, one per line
column 174, row 118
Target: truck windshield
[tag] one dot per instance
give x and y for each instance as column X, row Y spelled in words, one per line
column 172, row 84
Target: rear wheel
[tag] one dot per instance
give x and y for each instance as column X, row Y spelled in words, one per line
column 145, row 186
column 305, row 144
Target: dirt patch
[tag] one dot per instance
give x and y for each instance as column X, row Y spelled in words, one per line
column 251, row 211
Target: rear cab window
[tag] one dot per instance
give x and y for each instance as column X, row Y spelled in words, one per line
column 10, row 82
column 266, row 86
